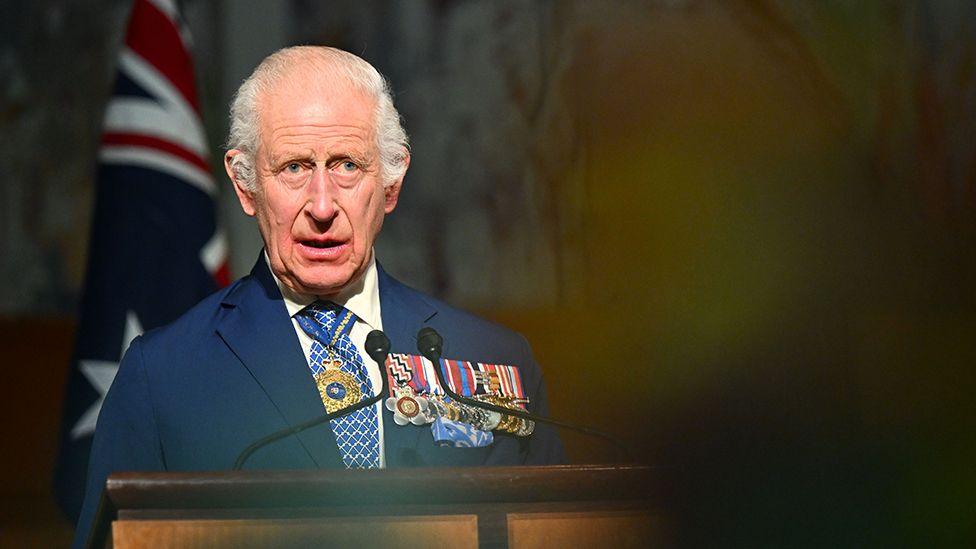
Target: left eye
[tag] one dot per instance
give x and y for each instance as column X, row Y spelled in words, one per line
column 349, row 166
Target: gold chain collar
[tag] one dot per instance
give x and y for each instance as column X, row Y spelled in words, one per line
column 335, row 339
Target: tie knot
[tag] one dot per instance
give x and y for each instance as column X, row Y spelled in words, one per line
column 326, row 321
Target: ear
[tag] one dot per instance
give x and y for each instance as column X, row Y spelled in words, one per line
column 392, row 192
column 244, row 194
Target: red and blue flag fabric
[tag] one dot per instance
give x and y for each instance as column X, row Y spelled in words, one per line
column 155, row 247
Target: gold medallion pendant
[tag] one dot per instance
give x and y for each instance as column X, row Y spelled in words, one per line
column 338, row 389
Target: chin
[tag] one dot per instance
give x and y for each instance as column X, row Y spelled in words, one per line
column 325, row 285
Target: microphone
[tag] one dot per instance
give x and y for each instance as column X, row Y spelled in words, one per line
column 430, row 344
column 377, row 347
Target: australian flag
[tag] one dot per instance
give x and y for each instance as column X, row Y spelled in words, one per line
column 155, row 248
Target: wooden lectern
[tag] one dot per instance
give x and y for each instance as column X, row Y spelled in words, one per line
column 554, row 506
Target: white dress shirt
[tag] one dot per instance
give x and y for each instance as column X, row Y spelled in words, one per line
column 362, row 297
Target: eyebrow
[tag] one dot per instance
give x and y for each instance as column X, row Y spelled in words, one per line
column 356, row 156
column 276, row 159
column 361, row 159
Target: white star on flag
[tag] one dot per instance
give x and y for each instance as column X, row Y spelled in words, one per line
column 101, row 373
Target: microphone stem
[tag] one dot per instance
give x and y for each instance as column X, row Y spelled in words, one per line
column 385, row 388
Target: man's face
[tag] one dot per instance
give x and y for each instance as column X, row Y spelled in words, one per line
column 319, row 200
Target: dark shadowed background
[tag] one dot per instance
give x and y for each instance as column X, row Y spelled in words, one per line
column 739, row 234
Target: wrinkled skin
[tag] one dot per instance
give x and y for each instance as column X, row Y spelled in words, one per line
column 319, row 200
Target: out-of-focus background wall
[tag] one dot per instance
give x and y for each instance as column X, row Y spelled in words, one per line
column 739, row 234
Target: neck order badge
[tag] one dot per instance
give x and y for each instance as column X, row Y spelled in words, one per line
column 342, row 380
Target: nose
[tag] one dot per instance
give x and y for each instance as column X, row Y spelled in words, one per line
column 321, row 200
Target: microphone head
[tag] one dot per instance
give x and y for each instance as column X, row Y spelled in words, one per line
column 430, row 343
column 377, row 346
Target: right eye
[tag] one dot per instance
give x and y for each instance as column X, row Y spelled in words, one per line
column 293, row 173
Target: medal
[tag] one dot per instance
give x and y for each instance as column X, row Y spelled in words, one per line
column 408, row 407
column 442, row 408
column 415, row 400
column 338, row 389
column 492, row 420
column 504, row 422
column 508, row 424
column 525, row 428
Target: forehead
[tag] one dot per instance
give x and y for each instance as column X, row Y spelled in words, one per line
column 305, row 110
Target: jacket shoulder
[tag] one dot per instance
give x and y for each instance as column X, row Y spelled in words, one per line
column 467, row 336
column 198, row 323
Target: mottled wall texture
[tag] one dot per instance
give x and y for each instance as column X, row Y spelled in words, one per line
column 739, row 234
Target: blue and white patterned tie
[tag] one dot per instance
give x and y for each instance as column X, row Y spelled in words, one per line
column 357, row 433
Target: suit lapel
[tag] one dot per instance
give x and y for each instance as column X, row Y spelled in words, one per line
column 259, row 331
column 404, row 313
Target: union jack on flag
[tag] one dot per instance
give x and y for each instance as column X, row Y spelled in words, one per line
column 155, row 248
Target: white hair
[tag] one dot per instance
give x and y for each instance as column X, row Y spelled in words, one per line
column 391, row 139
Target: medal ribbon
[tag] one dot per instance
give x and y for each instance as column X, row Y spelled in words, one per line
column 466, row 377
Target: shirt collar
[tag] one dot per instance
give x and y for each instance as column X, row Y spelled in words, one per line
column 362, row 297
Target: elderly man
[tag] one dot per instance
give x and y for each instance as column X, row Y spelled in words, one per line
column 318, row 156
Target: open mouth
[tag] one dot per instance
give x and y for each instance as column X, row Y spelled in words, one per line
column 323, row 249
column 321, row 244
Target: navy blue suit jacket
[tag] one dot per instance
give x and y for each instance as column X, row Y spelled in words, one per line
column 190, row 396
